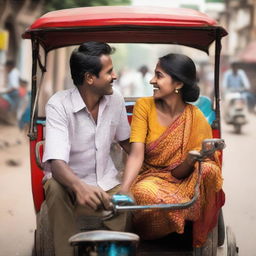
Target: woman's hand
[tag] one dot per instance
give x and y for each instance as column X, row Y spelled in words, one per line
column 124, row 191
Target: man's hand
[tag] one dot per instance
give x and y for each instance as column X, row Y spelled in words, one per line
column 86, row 195
column 92, row 196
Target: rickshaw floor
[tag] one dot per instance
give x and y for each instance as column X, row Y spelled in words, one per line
column 172, row 244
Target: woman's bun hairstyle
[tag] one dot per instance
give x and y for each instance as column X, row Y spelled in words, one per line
column 181, row 68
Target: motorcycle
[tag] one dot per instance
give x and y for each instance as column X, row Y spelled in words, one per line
column 236, row 110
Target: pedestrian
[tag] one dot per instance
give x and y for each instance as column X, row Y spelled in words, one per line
column 11, row 93
column 81, row 124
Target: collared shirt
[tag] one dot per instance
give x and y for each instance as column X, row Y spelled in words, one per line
column 73, row 136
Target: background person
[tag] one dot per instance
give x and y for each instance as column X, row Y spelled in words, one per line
column 11, row 93
column 158, row 169
column 81, row 124
column 235, row 80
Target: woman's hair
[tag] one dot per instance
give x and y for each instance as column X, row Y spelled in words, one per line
column 87, row 59
column 182, row 69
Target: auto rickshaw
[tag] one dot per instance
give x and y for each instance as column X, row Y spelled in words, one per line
column 127, row 24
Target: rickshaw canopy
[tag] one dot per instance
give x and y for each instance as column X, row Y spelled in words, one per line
column 125, row 24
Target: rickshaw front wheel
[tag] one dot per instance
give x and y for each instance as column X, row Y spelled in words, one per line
column 43, row 244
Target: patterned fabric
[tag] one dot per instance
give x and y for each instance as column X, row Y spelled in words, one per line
column 155, row 184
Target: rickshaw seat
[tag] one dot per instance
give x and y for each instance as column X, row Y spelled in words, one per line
column 204, row 103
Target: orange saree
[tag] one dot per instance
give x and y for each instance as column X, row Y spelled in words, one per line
column 155, row 184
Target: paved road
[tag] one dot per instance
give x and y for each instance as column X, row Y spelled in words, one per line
column 17, row 218
column 239, row 170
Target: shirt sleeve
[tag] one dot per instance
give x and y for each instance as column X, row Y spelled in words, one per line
column 123, row 128
column 139, row 125
column 57, row 143
column 245, row 80
column 13, row 79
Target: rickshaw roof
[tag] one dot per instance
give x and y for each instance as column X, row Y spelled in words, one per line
column 124, row 24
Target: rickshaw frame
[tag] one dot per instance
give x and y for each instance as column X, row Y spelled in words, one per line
column 126, row 24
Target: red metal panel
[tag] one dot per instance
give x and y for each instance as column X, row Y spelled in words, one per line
column 122, row 15
column 126, row 24
column 36, row 172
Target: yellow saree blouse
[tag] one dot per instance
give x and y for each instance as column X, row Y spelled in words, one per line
column 166, row 148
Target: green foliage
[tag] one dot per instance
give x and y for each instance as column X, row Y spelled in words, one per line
column 51, row 5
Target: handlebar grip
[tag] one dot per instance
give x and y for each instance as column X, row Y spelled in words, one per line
column 122, row 199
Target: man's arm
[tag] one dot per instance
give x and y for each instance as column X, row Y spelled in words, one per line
column 245, row 80
column 86, row 195
column 125, row 144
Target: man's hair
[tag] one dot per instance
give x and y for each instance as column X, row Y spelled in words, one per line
column 10, row 63
column 86, row 58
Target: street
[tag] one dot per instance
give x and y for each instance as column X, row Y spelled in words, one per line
column 17, row 213
column 239, row 185
column 17, row 217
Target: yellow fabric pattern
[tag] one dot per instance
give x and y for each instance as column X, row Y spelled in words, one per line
column 145, row 126
column 155, row 184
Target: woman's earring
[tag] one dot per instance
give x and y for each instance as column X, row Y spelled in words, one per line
column 176, row 91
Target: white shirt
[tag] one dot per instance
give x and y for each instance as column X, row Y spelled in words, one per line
column 13, row 79
column 238, row 82
column 73, row 136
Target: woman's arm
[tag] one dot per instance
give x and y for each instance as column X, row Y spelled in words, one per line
column 133, row 165
column 185, row 168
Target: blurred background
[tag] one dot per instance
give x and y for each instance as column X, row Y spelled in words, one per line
column 134, row 64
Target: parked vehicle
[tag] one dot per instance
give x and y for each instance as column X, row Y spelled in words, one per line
column 236, row 110
column 128, row 24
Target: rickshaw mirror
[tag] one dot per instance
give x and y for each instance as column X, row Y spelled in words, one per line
column 209, row 146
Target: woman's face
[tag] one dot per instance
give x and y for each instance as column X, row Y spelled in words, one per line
column 164, row 85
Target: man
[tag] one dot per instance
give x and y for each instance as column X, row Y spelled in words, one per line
column 11, row 93
column 81, row 124
column 235, row 80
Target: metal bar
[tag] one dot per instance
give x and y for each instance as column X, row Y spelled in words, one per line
column 120, row 208
column 216, row 79
column 35, row 49
column 35, row 89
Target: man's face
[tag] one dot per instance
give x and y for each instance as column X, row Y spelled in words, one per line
column 234, row 68
column 8, row 68
column 102, row 84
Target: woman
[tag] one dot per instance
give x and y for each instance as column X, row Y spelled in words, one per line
column 159, row 169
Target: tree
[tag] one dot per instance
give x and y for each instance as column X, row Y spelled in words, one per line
column 52, row 5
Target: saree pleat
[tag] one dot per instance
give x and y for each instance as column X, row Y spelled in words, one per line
column 155, row 184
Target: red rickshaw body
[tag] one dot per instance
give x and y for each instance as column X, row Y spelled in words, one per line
column 115, row 24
